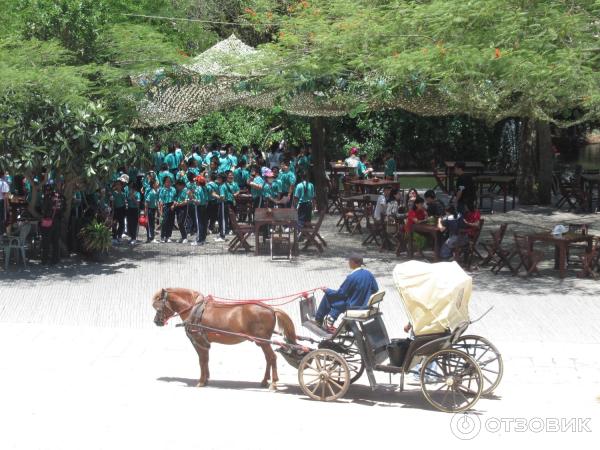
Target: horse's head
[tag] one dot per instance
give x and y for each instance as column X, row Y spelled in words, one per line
column 160, row 302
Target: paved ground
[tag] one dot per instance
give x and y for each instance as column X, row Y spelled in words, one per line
column 83, row 366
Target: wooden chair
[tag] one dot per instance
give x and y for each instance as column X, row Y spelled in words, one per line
column 529, row 259
column 572, row 193
column 241, row 233
column 590, row 261
column 352, row 217
column 310, row 232
column 245, row 210
column 281, row 238
column 441, row 179
column 334, row 203
column 492, row 248
column 467, row 251
column 580, row 247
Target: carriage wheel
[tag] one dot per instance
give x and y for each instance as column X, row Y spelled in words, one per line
column 351, row 354
column 451, row 380
column 324, row 375
column 488, row 359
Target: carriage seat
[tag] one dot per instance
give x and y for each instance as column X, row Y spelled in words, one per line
column 373, row 307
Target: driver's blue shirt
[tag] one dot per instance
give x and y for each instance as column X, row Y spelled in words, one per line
column 356, row 289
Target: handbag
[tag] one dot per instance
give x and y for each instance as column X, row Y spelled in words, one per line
column 47, row 222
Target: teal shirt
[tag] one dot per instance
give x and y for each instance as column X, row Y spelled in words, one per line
column 119, row 199
column 293, row 166
column 240, row 176
column 151, row 198
column 390, row 168
column 166, row 195
column 228, row 189
column 133, row 201
column 361, row 169
column 178, row 156
column 224, row 164
column 286, row 179
column 198, row 158
column 181, row 196
column 209, row 156
column 163, row 175
column 271, row 190
column 304, row 192
column 257, row 192
column 212, row 187
column 303, row 164
column 234, row 160
column 194, row 170
column 201, row 195
column 171, row 161
column 159, row 159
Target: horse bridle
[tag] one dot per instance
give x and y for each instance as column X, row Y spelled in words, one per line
column 164, row 304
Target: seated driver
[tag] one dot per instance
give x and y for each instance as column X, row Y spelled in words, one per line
column 354, row 293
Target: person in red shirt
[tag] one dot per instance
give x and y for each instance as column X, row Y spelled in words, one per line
column 472, row 219
column 417, row 214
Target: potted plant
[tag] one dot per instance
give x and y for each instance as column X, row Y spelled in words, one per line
column 96, row 240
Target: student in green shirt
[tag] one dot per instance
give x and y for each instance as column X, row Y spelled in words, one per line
column 166, row 197
column 178, row 153
column 241, row 175
column 304, row 197
column 133, row 212
column 287, row 181
column 214, row 196
column 150, row 207
column 165, row 173
column 158, row 157
column 180, row 203
column 231, row 156
column 171, row 160
column 361, row 169
column 390, row 166
column 192, row 167
column 229, row 191
column 118, row 200
column 256, row 185
column 271, row 191
column 224, row 162
column 201, row 203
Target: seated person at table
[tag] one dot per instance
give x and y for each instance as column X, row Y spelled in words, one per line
column 381, row 206
column 435, row 208
column 472, row 219
column 452, row 223
column 417, row 214
column 352, row 160
column 394, row 203
column 390, row 166
column 354, row 293
column 362, row 169
column 411, row 197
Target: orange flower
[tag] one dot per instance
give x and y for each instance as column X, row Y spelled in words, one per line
column 304, row 4
column 497, row 53
column 250, row 11
column 182, row 53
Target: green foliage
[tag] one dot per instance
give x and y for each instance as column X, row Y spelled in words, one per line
column 240, row 126
column 77, row 24
column 96, row 237
column 79, row 143
column 487, row 58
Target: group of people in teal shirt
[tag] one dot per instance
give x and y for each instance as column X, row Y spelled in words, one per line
column 198, row 192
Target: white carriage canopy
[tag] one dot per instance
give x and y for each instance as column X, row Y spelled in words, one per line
column 214, row 81
column 435, row 296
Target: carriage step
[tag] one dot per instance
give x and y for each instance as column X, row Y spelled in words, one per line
column 388, row 369
column 316, row 329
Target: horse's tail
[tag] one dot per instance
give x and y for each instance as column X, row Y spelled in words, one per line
column 286, row 326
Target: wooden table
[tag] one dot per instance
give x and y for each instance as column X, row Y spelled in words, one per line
column 369, row 184
column 471, row 166
column 504, row 181
column 285, row 217
column 428, row 229
column 561, row 244
column 362, row 197
column 589, row 181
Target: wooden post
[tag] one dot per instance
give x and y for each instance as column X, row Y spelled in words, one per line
column 317, row 131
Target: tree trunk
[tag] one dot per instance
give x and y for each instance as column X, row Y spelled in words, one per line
column 526, row 175
column 317, row 131
column 545, row 162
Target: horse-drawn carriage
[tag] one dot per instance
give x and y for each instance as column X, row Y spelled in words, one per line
column 454, row 369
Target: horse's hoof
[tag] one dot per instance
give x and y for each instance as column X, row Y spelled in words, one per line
column 273, row 387
column 264, row 383
column 201, row 384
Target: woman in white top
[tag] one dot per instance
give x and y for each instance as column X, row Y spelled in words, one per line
column 381, row 206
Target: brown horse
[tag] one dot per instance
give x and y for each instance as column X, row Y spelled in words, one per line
column 245, row 319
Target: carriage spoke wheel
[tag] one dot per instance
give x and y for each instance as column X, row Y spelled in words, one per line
column 351, row 354
column 487, row 357
column 324, row 375
column 451, row 380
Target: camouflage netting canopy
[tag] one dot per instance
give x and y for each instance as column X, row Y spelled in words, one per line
column 218, row 79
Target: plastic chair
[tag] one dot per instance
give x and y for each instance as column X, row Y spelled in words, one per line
column 17, row 243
